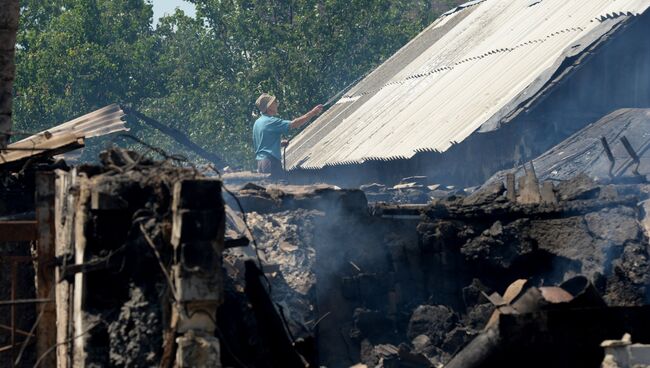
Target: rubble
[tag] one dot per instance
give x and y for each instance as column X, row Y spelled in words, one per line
column 431, row 321
column 487, row 195
column 136, row 335
column 622, row 353
column 314, row 275
column 156, row 265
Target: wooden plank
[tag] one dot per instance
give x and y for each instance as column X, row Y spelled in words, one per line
column 64, row 205
column 45, row 255
column 18, row 231
column 53, row 147
column 65, row 137
column 79, row 322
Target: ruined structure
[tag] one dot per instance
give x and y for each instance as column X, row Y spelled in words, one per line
column 408, row 286
column 134, row 262
column 613, row 148
column 154, row 265
column 140, row 245
column 489, row 85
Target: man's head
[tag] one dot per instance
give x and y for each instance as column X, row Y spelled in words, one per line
column 267, row 104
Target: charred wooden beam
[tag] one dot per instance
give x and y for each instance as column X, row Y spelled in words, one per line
column 505, row 211
column 45, row 254
column 64, row 214
column 178, row 136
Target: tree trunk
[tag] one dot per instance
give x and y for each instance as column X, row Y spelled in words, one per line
column 9, row 13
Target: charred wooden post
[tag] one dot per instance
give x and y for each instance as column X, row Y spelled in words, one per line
column 79, row 323
column 64, row 203
column 548, row 193
column 45, row 253
column 510, row 187
column 197, row 237
column 530, row 193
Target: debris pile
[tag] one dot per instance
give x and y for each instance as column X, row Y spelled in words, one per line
column 592, row 230
column 410, row 283
column 411, row 190
column 158, row 268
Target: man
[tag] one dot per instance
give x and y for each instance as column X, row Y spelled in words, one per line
column 267, row 134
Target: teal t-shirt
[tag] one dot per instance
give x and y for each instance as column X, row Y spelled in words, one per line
column 267, row 134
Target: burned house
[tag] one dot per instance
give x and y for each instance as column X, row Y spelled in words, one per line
column 144, row 259
column 488, row 85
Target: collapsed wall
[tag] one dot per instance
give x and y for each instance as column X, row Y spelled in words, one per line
column 139, row 249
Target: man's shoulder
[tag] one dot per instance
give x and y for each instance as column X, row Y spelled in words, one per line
column 266, row 119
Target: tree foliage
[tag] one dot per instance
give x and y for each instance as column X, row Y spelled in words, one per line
column 202, row 74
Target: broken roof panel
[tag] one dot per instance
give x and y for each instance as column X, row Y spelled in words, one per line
column 583, row 152
column 470, row 70
column 67, row 136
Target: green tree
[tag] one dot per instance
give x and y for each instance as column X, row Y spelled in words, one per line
column 203, row 74
column 76, row 56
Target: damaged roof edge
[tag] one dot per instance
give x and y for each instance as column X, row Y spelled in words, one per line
column 461, row 7
column 570, row 59
column 67, row 136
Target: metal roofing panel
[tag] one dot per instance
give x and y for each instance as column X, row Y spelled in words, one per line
column 478, row 61
column 97, row 123
column 583, row 152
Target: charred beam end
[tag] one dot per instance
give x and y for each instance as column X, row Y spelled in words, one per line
column 630, row 151
column 610, row 156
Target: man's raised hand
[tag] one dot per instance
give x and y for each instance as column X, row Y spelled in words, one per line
column 316, row 110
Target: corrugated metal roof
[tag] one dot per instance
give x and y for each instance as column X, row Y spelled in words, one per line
column 97, row 123
column 469, row 70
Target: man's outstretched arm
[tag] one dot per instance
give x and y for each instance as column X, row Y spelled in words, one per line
column 298, row 122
